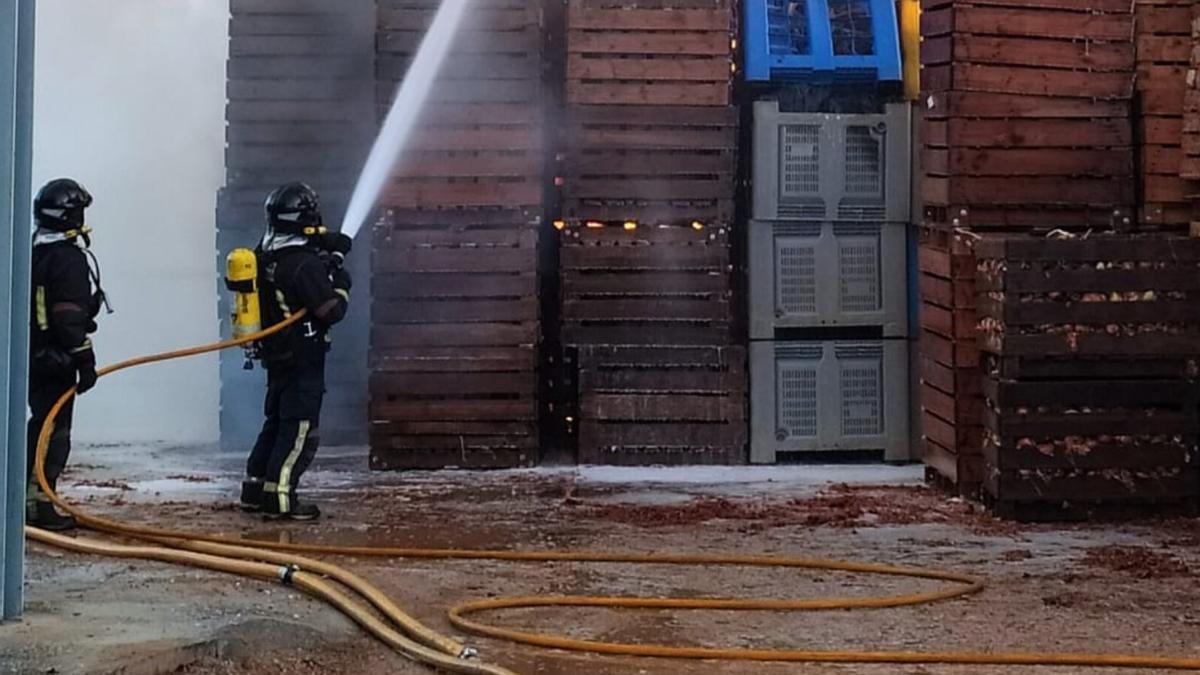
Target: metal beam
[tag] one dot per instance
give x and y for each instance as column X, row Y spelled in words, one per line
column 16, row 125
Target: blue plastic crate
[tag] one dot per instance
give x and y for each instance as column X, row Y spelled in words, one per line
column 822, row 40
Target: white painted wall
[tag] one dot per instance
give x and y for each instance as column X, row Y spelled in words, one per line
column 130, row 101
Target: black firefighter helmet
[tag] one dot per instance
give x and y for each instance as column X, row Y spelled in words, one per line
column 59, row 205
column 294, row 208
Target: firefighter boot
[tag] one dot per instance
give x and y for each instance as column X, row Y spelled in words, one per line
column 294, row 510
column 47, row 518
column 252, row 494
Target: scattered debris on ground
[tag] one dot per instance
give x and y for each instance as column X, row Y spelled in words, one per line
column 1139, row 562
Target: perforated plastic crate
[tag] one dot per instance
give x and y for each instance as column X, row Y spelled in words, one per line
column 822, row 40
column 809, row 275
column 829, row 396
column 824, row 167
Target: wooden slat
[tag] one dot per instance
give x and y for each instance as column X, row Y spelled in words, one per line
column 455, row 335
column 579, row 18
column 399, row 312
column 678, row 93
column 389, row 386
column 714, row 43
column 657, row 408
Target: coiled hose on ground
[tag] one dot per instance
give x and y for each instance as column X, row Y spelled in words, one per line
column 376, row 613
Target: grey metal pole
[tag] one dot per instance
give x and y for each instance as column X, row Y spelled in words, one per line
column 16, row 137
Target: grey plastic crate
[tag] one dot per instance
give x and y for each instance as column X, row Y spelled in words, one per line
column 829, row 396
column 808, row 275
column 824, row 167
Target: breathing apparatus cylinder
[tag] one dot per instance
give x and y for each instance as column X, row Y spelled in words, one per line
column 241, row 277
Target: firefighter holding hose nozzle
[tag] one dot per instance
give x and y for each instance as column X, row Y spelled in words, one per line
column 67, row 298
column 300, row 267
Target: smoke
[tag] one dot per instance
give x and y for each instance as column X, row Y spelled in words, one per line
column 129, row 100
column 402, row 117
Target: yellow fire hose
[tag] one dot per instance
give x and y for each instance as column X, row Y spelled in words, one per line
column 376, row 613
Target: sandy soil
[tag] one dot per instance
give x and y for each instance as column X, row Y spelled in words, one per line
column 1104, row 588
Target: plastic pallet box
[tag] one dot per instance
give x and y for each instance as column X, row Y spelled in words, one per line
column 814, row 275
column 825, row 396
column 822, row 41
column 826, row 167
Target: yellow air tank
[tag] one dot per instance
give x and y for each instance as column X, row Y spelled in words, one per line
column 241, row 277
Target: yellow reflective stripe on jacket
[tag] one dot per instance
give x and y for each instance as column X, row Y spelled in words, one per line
column 283, row 306
column 43, row 317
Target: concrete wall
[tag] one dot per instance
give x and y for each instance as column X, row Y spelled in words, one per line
column 130, row 98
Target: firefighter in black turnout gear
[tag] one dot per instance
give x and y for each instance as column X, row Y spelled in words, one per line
column 300, row 266
column 66, row 300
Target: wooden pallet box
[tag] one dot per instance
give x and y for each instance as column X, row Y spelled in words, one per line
column 949, row 394
column 648, row 286
column 1091, row 359
column 662, row 405
column 649, row 164
column 655, row 57
column 479, row 144
column 454, row 338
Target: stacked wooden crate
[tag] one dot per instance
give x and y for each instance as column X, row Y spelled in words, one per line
column 455, row 326
column 1164, row 51
column 950, row 396
column 1028, row 119
column 1091, row 345
column 300, row 108
column 660, row 380
column 647, row 174
column 1027, row 127
column 650, row 129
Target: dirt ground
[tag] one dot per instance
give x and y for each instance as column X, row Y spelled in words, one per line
column 1103, row 588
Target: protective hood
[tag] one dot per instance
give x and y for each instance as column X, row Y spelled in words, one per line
column 275, row 241
column 43, row 236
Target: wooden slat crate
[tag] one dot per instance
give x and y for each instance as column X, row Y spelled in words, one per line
column 950, row 395
column 455, row 330
column 479, row 145
column 300, row 106
column 1051, row 445
column 1163, row 56
column 1028, row 121
column 662, row 405
column 659, row 57
column 650, row 164
column 1082, row 49
column 650, row 286
column 1115, row 296
column 1092, row 392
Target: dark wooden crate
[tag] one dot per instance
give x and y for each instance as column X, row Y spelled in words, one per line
column 455, row 329
column 651, row 164
column 678, row 57
column 662, row 405
column 993, row 169
column 1101, row 442
column 653, row 286
column 949, row 395
column 479, row 145
column 1022, row 49
column 1055, row 297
